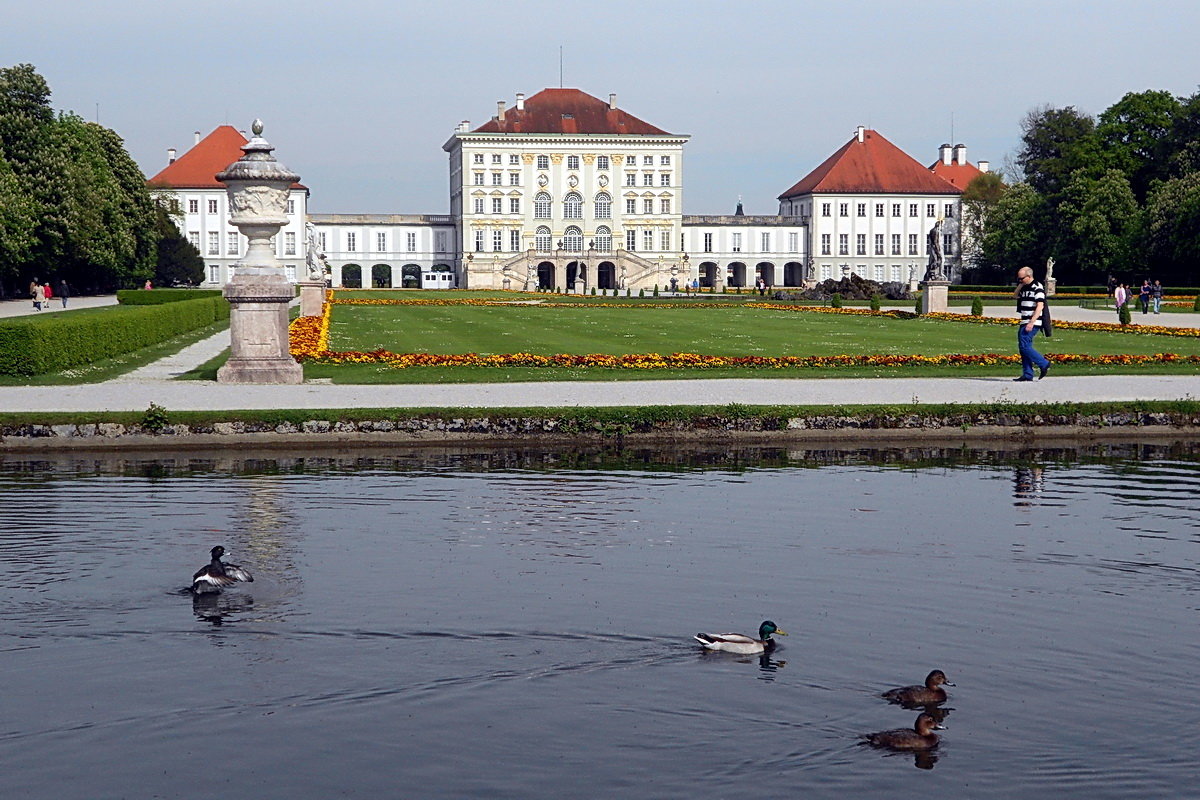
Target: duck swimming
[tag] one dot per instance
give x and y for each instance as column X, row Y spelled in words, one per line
column 920, row 737
column 215, row 575
column 741, row 643
column 931, row 692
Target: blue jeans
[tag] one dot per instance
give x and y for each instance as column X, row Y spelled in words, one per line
column 1029, row 356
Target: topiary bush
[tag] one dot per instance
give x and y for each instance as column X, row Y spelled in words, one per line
column 641, row 292
column 874, row 302
column 1123, row 314
column 656, row 290
column 917, row 303
column 977, row 306
column 836, row 300
column 1196, row 305
column 593, row 291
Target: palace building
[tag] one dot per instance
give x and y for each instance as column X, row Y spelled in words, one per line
column 563, row 190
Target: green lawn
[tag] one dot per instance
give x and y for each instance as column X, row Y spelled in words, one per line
column 723, row 331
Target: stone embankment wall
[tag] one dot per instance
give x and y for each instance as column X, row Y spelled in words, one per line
column 914, row 426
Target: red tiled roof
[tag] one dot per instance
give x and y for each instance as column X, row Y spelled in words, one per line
column 958, row 174
column 198, row 167
column 873, row 166
column 568, row 111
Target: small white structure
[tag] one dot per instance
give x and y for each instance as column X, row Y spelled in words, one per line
column 437, row 280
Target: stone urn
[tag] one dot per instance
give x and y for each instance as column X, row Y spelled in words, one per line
column 259, row 293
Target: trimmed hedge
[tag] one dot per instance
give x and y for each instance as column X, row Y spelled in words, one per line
column 154, row 297
column 34, row 345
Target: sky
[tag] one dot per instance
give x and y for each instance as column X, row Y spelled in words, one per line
column 359, row 96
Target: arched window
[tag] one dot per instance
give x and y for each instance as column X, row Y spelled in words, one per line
column 603, row 239
column 603, row 206
column 573, row 206
column 541, row 239
column 541, row 206
column 573, row 239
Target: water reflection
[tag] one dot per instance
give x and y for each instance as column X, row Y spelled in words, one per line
column 1028, row 485
column 215, row 608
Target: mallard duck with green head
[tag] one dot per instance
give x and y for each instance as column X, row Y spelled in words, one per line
column 740, row 642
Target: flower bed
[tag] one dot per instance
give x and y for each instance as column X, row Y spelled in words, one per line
column 310, row 342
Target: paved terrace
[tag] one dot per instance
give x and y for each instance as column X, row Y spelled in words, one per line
column 134, row 392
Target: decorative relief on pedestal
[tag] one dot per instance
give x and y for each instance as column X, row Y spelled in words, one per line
column 258, row 202
column 603, row 180
column 542, row 179
column 573, row 181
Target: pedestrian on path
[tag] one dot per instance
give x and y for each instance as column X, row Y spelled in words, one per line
column 1031, row 300
column 1120, row 296
column 1144, row 296
column 49, row 292
column 39, row 296
column 1156, row 294
column 64, row 292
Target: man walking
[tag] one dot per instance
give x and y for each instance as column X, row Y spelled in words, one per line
column 1031, row 299
column 1156, row 295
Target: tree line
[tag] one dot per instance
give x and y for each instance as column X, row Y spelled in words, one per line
column 1115, row 196
column 73, row 204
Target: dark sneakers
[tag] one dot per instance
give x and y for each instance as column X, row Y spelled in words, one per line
column 1042, row 371
column 1021, row 379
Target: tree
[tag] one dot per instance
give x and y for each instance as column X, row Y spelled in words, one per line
column 1172, row 230
column 1014, row 236
column 978, row 201
column 1100, row 219
column 18, row 226
column 1055, row 142
column 178, row 260
column 1135, row 136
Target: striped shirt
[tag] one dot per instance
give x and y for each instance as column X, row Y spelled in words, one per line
column 1027, row 299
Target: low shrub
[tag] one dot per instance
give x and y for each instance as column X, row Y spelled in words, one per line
column 154, row 297
column 1123, row 314
column 917, row 302
column 977, row 306
column 39, row 344
column 836, row 300
column 874, row 302
column 656, row 290
column 1196, row 304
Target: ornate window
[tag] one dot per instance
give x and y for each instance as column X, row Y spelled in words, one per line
column 573, row 239
column 541, row 206
column 603, row 206
column 572, row 162
column 602, row 163
column 543, row 162
column 603, row 239
column 541, row 239
column 573, row 206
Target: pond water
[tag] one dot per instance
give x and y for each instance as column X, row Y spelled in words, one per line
column 518, row 624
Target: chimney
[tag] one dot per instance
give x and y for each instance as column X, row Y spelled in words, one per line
column 500, row 109
column 464, row 126
column 197, row 138
column 960, row 153
column 985, row 166
column 170, row 155
column 520, row 101
column 612, row 101
column 861, row 134
column 944, row 154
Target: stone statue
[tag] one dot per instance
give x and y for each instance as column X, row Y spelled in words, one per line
column 313, row 257
column 810, row 271
column 528, row 276
column 1049, row 269
column 936, row 270
column 912, row 273
column 621, row 280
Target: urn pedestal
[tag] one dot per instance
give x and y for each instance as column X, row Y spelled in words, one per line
column 1051, row 286
column 258, row 328
column 935, row 297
